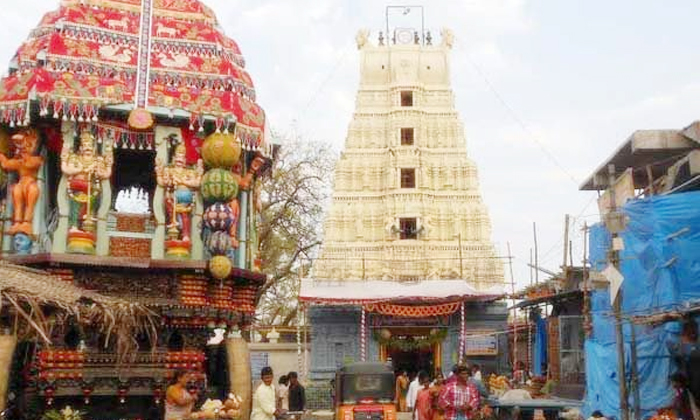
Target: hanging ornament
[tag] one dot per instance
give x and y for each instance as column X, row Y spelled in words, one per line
column 219, row 185
column 140, row 119
column 219, row 242
column 218, row 217
column 220, row 267
column 221, row 150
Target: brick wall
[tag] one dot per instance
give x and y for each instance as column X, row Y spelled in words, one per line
column 130, row 247
column 553, row 348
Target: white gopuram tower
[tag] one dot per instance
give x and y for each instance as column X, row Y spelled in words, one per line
column 406, row 203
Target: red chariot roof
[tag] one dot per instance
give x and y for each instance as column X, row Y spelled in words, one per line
column 85, row 56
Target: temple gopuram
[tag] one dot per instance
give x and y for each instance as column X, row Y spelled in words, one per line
column 407, row 272
column 131, row 148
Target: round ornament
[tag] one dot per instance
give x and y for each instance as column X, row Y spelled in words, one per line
column 385, row 334
column 219, row 185
column 219, row 243
column 219, row 216
column 220, row 267
column 221, row 150
column 140, row 119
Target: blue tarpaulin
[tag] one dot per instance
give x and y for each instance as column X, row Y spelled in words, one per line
column 540, row 347
column 661, row 268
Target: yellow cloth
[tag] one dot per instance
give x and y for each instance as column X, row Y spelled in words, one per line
column 264, row 403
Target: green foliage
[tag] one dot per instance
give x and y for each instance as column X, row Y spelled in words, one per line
column 411, row 343
column 66, row 414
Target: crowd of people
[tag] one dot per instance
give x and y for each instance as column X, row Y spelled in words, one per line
column 457, row 397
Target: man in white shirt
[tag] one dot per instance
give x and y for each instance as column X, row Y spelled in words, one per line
column 264, row 400
column 412, row 394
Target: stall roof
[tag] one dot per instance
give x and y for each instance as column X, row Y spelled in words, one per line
column 658, row 148
column 546, row 299
column 356, row 292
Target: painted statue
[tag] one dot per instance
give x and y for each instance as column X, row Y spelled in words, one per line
column 26, row 192
column 180, row 183
column 85, row 171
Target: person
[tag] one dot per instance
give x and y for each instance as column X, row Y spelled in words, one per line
column 452, row 377
column 401, row 391
column 297, row 394
column 283, row 393
column 264, row 401
column 333, row 391
column 412, row 393
column 479, row 385
column 435, row 388
column 520, row 376
column 687, row 357
column 681, row 400
column 423, row 408
column 459, row 399
column 597, row 415
column 476, row 372
column 178, row 401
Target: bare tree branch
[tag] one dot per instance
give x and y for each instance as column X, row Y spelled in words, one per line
column 293, row 205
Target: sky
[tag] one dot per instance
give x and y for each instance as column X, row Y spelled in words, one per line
column 546, row 89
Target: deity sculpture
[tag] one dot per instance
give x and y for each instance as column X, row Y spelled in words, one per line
column 26, row 192
column 180, row 183
column 448, row 38
column 85, row 171
column 361, row 38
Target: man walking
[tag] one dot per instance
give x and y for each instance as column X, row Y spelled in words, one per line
column 297, row 395
column 459, row 399
column 413, row 389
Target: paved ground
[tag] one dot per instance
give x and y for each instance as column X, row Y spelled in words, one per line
column 328, row 415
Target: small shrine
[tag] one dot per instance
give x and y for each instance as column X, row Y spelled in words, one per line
column 131, row 147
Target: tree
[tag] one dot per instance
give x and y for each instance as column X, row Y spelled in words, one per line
column 293, row 201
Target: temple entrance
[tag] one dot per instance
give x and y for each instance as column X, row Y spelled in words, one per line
column 413, row 361
column 412, row 349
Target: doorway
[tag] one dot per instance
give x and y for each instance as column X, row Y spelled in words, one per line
column 413, row 360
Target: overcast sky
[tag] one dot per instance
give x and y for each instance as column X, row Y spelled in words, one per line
column 546, row 89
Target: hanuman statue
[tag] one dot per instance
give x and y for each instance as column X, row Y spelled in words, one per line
column 26, row 192
column 180, row 183
column 85, row 171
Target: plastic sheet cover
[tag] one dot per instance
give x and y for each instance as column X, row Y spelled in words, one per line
column 661, row 267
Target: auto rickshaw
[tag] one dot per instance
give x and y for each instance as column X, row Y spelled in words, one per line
column 365, row 391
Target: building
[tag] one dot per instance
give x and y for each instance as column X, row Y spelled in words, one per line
column 642, row 257
column 407, row 237
column 132, row 145
column 550, row 341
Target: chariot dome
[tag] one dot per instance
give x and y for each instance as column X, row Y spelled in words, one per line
column 169, row 57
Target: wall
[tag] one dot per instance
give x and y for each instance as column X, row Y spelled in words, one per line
column 335, row 334
column 282, row 358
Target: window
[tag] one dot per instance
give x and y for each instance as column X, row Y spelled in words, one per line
column 133, row 169
column 408, row 228
column 406, row 98
column 407, row 136
column 408, row 178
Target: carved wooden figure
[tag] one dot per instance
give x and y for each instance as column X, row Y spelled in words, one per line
column 26, row 192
